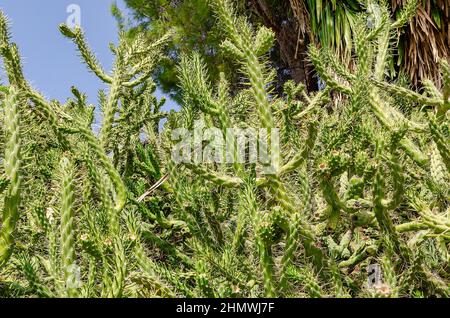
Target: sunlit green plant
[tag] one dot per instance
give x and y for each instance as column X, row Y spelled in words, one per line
column 356, row 180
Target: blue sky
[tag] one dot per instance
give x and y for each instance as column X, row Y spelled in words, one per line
column 51, row 62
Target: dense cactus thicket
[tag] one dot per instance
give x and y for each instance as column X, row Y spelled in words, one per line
column 358, row 187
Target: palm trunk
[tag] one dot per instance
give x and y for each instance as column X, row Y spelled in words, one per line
column 293, row 44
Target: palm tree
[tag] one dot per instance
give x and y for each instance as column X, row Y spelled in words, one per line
column 425, row 40
column 296, row 24
column 421, row 44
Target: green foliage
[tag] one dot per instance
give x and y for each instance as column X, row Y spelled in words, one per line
column 357, row 179
column 194, row 28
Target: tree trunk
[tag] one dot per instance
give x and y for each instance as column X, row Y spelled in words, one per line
column 293, row 45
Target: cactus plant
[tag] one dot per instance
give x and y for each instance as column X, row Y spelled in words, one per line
column 357, row 178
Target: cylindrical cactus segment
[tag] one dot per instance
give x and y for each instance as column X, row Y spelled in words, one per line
column 12, row 162
column 67, row 229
